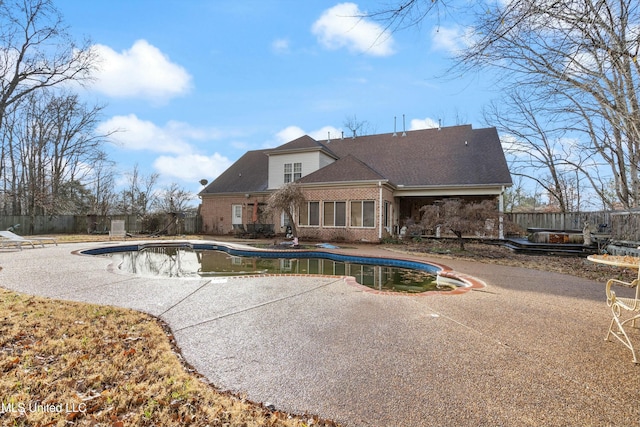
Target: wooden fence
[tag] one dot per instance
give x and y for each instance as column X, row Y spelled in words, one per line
column 82, row 224
column 621, row 225
column 571, row 221
column 625, row 226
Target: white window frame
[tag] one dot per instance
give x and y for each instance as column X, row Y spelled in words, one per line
column 297, row 171
column 292, row 172
column 360, row 220
column 324, row 216
column 306, row 221
column 236, row 214
column 288, row 173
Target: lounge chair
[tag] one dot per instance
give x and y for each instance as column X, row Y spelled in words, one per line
column 40, row 240
column 6, row 239
column 5, row 243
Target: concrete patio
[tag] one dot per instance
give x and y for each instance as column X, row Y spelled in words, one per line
column 526, row 350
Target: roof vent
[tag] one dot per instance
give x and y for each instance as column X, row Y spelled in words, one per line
column 439, row 124
column 394, row 126
column 328, row 137
column 404, row 133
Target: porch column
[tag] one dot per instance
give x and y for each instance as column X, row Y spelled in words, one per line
column 381, row 216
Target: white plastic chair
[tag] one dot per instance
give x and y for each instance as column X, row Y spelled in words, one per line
column 117, row 228
column 625, row 312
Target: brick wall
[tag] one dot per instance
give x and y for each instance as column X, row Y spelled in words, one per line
column 348, row 194
column 216, row 213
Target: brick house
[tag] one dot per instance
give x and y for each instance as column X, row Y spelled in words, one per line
column 363, row 188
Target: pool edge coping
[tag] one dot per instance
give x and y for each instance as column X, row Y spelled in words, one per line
column 472, row 283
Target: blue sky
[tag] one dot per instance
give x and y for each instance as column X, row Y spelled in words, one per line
column 193, row 84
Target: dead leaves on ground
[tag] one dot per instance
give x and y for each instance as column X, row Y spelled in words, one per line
column 65, row 363
column 496, row 254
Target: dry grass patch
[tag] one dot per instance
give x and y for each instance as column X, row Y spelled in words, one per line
column 64, row 363
column 81, row 238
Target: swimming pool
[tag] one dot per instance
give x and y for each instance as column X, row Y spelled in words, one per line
column 191, row 259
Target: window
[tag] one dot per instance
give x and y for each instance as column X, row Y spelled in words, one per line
column 285, row 264
column 284, row 219
column 297, row 171
column 236, row 214
column 362, row 214
column 335, row 214
column 287, row 173
column 309, row 214
column 292, row 172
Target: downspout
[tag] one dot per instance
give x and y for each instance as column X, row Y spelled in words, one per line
column 380, row 210
column 501, row 215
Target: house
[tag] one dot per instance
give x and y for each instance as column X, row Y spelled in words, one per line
column 363, row 188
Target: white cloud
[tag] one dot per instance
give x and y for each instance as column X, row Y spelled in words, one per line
column 289, row 134
column 426, row 123
column 292, row 132
column 192, row 167
column 240, row 145
column 512, row 146
column 344, row 26
column 281, row 46
column 323, row 133
column 452, row 39
column 142, row 71
column 132, row 133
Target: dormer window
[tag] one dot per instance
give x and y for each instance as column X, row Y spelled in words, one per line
column 292, row 172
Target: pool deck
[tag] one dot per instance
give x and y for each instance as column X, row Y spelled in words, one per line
column 526, row 350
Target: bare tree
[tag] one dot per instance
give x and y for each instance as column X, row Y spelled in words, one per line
column 358, row 127
column 577, row 59
column 537, row 148
column 49, row 144
column 287, row 199
column 173, row 199
column 101, row 183
column 462, row 218
column 409, row 13
column 518, row 198
column 139, row 195
column 580, row 58
column 36, row 51
column 39, row 152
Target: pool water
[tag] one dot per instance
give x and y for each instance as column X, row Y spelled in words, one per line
column 166, row 261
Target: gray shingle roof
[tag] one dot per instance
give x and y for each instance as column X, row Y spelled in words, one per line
column 345, row 169
column 450, row 156
column 249, row 173
column 456, row 155
column 304, row 142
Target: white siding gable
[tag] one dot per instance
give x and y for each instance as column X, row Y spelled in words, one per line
column 311, row 162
